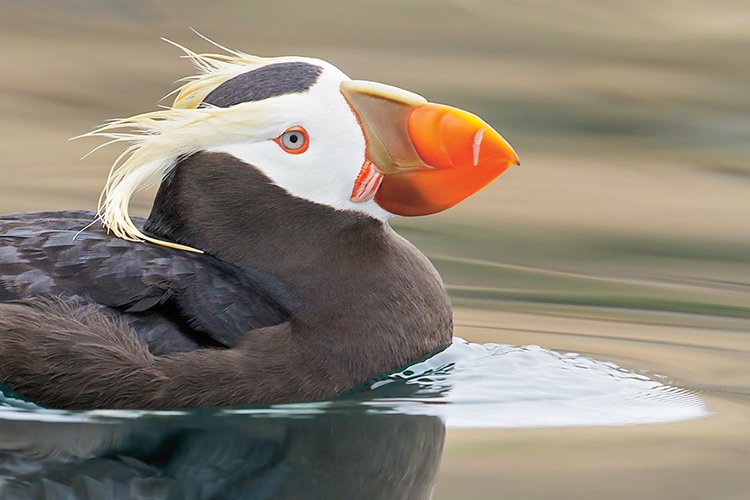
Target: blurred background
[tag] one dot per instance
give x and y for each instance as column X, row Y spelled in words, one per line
column 625, row 234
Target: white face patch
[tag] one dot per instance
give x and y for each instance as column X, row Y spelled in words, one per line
column 326, row 171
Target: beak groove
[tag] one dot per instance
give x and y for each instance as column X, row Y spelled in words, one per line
column 477, row 145
column 367, row 183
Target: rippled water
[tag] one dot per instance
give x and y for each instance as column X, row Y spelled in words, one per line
column 624, row 238
column 303, row 450
column 472, row 385
column 495, row 385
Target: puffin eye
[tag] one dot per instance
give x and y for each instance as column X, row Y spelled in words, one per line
column 294, row 140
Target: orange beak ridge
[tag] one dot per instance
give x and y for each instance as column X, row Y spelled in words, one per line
column 422, row 157
column 462, row 155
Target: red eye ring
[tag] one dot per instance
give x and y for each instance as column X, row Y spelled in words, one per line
column 294, row 140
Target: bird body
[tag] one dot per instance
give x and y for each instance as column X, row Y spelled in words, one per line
column 267, row 271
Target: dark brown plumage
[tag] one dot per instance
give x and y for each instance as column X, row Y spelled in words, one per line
column 337, row 297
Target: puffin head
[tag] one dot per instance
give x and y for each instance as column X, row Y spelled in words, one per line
column 321, row 136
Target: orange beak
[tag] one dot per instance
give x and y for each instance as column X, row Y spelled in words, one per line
column 422, row 158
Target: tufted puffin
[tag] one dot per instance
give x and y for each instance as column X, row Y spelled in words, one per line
column 266, row 271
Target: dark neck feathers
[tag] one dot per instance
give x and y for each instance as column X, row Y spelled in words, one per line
column 362, row 287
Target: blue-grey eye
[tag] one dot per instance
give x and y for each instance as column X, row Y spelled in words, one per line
column 294, row 140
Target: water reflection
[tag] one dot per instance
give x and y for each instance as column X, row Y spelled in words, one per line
column 384, row 441
column 229, row 456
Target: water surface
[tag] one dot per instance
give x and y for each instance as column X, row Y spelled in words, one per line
column 385, row 439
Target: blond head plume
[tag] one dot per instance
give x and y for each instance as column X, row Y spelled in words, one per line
column 159, row 139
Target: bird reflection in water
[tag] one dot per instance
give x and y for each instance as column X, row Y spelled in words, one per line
column 230, row 456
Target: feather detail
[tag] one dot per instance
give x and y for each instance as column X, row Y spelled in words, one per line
column 157, row 140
